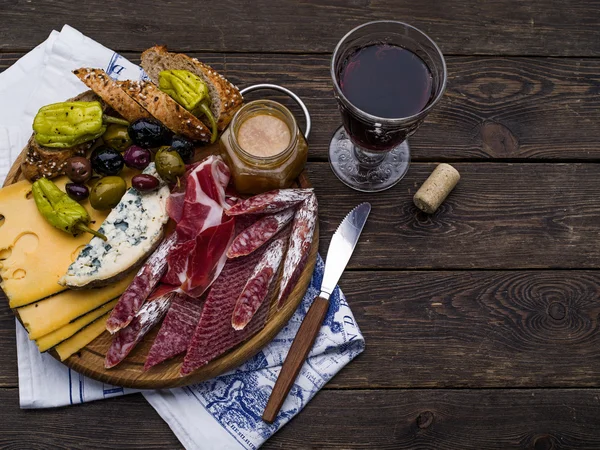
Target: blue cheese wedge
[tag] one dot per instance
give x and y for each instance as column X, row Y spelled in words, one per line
column 133, row 229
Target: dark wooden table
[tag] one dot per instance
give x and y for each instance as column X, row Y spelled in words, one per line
column 481, row 321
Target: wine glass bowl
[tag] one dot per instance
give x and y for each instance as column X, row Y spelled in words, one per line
column 387, row 76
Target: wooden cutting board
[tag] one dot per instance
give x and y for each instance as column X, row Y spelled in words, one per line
column 90, row 360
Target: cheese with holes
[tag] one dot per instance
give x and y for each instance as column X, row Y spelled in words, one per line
column 56, row 337
column 34, row 254
column 52, row 313
column 82, row 338
column 133, row 229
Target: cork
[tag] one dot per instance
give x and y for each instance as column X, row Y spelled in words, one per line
column 436, row 188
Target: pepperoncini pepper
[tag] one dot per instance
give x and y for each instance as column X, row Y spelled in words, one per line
column 59, row 210
column 189, row 91
column 66, row 124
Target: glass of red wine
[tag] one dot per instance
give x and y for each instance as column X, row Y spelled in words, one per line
column 387, row 76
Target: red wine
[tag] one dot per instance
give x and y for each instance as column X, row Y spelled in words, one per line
column 386, row 81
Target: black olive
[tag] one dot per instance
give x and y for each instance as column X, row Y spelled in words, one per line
column 106, row 160
column 184, row 147
column 137, row 157
column 148, row 133
column 78, row 169
column 77, row 191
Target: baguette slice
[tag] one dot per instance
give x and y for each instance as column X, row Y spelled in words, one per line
column 39, row 161
column 108, row 89
column 174, row 116
column 225, row 97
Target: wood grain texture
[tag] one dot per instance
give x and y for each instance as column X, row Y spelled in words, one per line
column 387, row 419
column 494, row 108
column 468, row 329
column 500, row 216
column 513, row 27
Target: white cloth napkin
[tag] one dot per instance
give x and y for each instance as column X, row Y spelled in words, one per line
column 222, row 413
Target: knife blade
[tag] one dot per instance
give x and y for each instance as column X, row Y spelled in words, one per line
column 342, row 245
column 340, row 250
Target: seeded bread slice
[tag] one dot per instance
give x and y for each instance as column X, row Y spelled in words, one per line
column 174, row 116
column 104, row 86
column 40, row 161
column 225, row 97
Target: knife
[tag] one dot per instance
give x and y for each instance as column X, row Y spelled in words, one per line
column 340, row 250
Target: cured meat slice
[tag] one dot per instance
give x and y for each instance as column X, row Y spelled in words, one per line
column 127, row 338
column 197, row 263
column 146, row 279
column 176, row 330
column 214, row 334
column 270, row 202
column 257, row 287
column 303, row 228
column 202, row 236
column 259, row 233
column 204, row 198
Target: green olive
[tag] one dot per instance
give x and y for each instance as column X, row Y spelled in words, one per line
column 169, row 164
column 117, row 137
column 107, row 192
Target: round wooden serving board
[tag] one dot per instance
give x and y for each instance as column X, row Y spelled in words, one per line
column 90, row 360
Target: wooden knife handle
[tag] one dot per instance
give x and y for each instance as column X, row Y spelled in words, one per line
column 295, row 358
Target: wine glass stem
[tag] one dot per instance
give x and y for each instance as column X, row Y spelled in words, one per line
column 367, row 158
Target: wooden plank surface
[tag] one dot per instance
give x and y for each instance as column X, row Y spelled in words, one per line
column 451, row 329
column 468, row 298
column 538, row 27
column 384, row 419
column 494, row 108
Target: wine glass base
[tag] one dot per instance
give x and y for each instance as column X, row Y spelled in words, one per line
column 376, row 177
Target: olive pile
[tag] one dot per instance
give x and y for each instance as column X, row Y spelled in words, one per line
column 133, row 147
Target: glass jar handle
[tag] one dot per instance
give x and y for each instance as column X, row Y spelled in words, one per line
column 294, row 97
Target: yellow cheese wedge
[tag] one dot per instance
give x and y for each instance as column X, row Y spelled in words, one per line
column 55, row 312
column 81, row 339
column 34, row 254
column 56, row 337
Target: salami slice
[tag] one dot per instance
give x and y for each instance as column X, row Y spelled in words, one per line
column 303, row 228
column 259, row 233
column 146, row 279
column 127, row 338
column 176, row 330
column 257, row 287
column 270, row 202
column 214, row 334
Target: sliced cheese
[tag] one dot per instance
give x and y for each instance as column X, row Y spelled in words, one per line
column 34, row 254
column 56, row 337
column 81, row 339
column 55, row 312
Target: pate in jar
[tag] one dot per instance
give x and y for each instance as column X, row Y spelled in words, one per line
column 264, row 147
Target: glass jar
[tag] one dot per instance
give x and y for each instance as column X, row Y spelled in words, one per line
column 253, row 173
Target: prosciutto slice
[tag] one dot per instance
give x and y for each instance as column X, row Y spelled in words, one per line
column 203, row 237
column 176, row 330
column 214, row 334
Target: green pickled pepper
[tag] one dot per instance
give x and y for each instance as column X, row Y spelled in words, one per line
column 67, row 124
column 60, row 210
column 187, row 89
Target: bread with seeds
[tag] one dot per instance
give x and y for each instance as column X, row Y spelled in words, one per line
column 40, row 161
column 108, row 89
column 174, row 116
column 225, row 97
